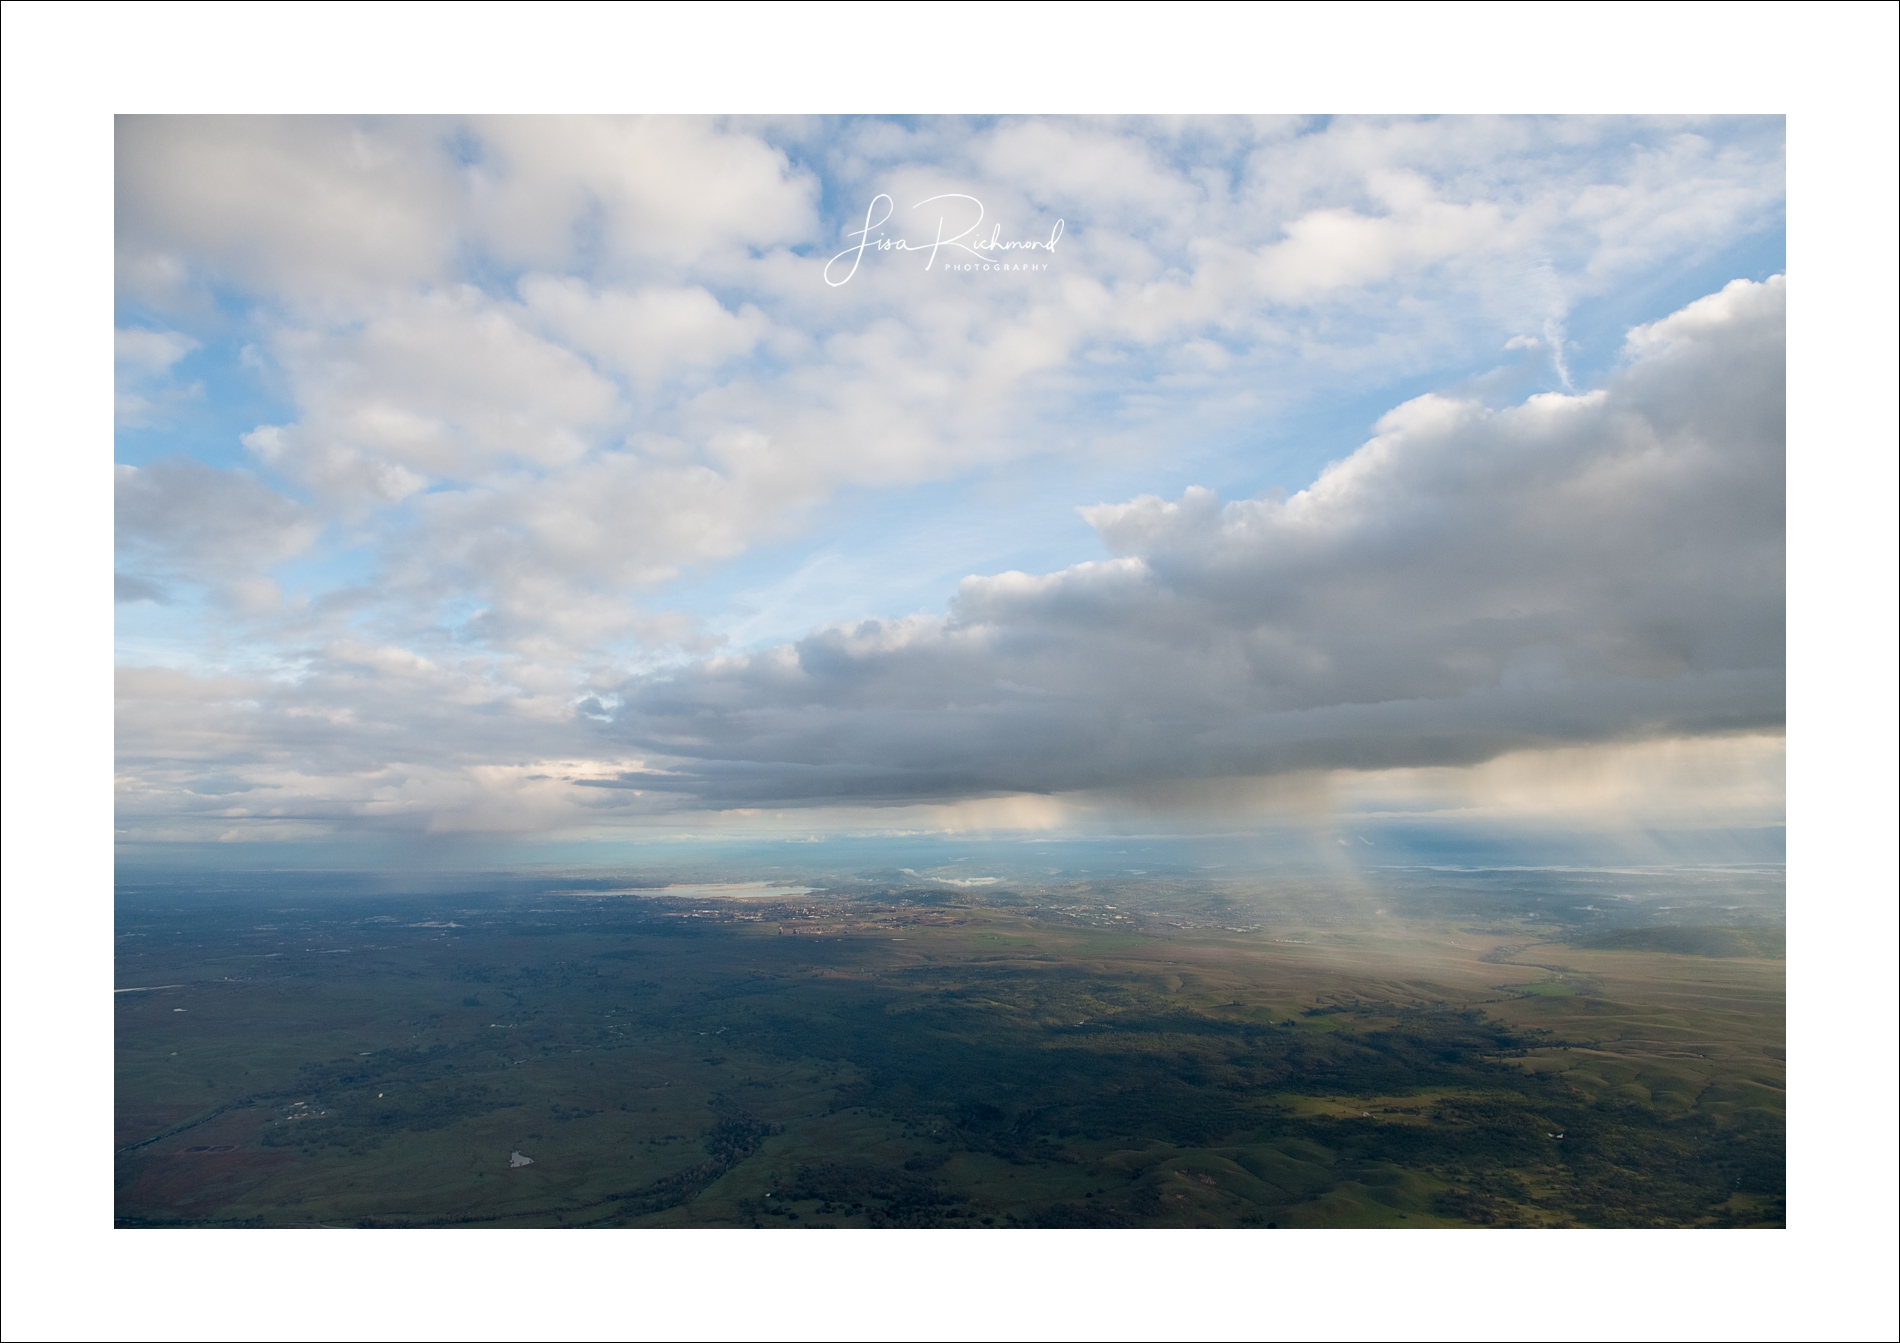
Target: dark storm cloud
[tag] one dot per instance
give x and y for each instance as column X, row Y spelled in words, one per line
column 1574, row 569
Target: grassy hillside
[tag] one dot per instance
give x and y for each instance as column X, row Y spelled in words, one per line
column 1771, row 943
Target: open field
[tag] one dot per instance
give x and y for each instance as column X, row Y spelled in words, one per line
column 1109, row 1054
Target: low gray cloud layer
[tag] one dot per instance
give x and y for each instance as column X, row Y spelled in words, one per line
column 1573, row 569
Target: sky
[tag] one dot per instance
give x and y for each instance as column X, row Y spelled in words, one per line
column 555, row 485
